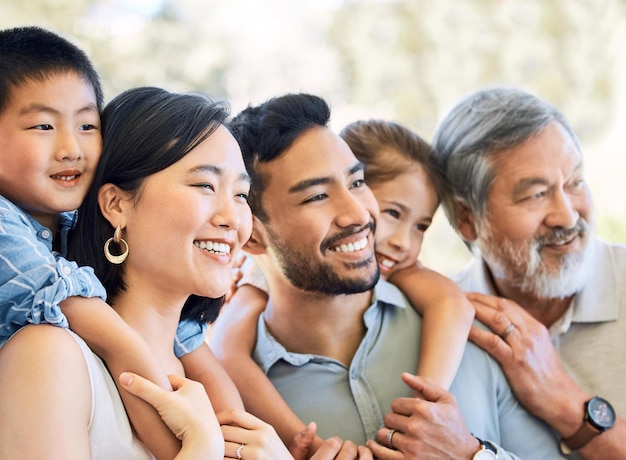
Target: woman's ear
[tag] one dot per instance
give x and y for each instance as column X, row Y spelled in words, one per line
column 258, row 240
column 113, row 204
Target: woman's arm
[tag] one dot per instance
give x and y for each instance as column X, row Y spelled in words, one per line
column 46, row 396
column 232, row 338
column 447, row 318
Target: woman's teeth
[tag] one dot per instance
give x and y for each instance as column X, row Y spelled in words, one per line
column 220, row 248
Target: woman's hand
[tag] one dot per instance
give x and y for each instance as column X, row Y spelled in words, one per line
column 187, row 411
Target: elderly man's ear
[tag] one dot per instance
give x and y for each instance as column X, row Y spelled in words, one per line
column 257, row 243
column 466, row 223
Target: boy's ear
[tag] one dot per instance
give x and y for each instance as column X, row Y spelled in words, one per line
column 257, row 243
column 466, row 223
column 113, row 203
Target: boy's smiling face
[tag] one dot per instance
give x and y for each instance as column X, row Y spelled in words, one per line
column 50, row 143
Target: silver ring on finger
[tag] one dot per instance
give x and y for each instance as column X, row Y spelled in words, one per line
column 507, row 331
column 238, row 451
column 390, row 434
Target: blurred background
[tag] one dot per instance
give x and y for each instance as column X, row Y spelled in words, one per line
column 404, row 60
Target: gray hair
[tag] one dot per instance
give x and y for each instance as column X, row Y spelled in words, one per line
column 479, row 128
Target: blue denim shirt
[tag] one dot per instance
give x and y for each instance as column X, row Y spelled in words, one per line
column 34, row 279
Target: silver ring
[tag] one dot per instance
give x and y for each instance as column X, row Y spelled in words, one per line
column 238, row 451
column 507, row 331
column 390, row 434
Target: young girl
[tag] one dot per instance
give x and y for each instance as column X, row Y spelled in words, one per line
column 401, row 170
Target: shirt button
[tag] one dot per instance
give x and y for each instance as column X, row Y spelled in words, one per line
column 66, row 270
column 45, row 234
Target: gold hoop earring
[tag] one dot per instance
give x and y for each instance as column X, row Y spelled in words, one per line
column 117, row 238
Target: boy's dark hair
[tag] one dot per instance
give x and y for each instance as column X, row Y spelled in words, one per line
column 34, row 54
column 265, row 131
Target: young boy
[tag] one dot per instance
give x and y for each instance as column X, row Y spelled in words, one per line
column 50, row 143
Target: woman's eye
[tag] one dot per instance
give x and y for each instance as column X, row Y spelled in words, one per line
column 358, row 183
column 207, row 186
column 243, row 196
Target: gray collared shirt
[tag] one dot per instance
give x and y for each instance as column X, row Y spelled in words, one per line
column 350, row 401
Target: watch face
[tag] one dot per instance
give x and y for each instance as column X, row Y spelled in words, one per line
column 485, row 455
column 601, row 413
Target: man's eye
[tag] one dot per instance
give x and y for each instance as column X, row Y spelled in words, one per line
column 318, row 197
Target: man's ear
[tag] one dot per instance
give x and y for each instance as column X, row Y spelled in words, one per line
column 466, row 222
column 113, row 204
column 257, row 244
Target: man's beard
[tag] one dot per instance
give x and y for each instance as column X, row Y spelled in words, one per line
column 309, row 274
column 523, row 267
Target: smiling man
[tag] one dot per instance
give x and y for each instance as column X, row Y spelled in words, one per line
column 334, row 339
column 519, row 198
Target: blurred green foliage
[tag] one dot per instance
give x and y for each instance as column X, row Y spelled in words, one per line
column 407, row 60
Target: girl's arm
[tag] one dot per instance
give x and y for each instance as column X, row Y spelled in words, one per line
column 447, row 318
column 202, row 366
column 123, row 349
column 232, row 338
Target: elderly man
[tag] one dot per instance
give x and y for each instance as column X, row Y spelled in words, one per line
column 520, row 201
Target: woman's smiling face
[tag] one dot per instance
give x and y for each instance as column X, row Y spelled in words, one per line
column 189, row 221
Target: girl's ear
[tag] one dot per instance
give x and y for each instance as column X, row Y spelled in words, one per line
column 466, row 222
column 114, row 204
column 258, row 240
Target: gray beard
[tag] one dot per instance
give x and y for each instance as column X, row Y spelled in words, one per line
column 524, row 268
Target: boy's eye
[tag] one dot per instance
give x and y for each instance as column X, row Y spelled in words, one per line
column 43, row 127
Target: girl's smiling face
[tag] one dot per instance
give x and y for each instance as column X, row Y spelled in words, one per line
column 407, row 205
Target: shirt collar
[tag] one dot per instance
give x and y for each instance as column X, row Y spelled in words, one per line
column 268, row 350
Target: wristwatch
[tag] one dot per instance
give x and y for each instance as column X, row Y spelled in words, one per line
column 487, row 451
column 599, row 417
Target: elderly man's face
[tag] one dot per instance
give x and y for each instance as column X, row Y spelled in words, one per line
column 536, row 234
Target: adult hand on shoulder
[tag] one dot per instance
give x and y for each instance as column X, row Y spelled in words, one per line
column 187, row 411
column 250, row 438
column 527, row 357
column 432, row 427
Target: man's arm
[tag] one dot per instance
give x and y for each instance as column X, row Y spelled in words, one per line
column 536, row 375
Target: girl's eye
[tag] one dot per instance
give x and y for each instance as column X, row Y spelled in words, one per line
column 86, row 127
column 243, row 196
column 421, row 227
column 392, row 212
column 358, row 183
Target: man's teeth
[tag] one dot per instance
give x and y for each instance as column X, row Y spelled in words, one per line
column 66, row 178
column 351, row 247
column 220, row 248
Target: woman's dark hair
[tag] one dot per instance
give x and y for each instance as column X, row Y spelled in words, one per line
column 145, row 130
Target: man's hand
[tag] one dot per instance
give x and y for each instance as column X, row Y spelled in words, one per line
column 529, row 361
column 432, row 427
